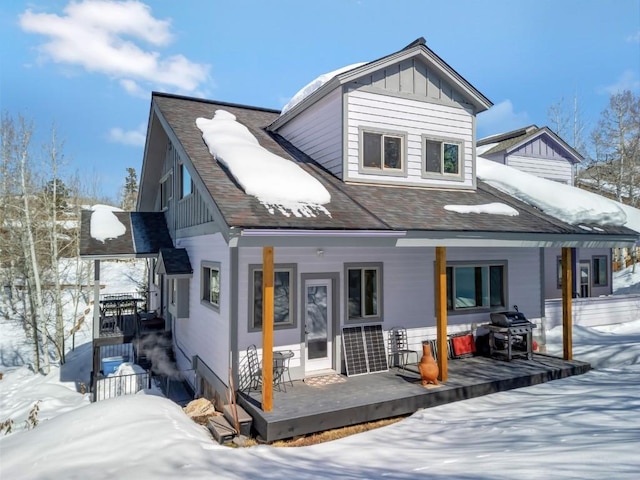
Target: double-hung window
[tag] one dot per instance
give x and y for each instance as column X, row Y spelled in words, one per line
column 600, row 272
column 382, row 152
column 210, row 282
column 284, row 293
column 442, row 157
column 364, row 291
column 476, row 286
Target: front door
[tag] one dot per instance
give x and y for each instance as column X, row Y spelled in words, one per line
column 318, row 331
column 585, row 279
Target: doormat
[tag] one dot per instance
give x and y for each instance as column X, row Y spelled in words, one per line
column 323, row 380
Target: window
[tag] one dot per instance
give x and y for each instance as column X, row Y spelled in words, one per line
column 474, row 286
column 186, row 184
column 600, row 273
column 173, row 290
column 382, row 152
column 442, row 157
column 210, row 284
column 559, row 272
column 166, row 191
column 284, row 289
column 364, row 289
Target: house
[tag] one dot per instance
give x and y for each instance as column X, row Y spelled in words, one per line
column 540, row 152
column 362, row 198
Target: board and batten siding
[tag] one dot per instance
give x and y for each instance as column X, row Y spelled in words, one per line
column 318, row 132
column 416, row 119
column 206, row 332
column 408, row 289
column 182, row 212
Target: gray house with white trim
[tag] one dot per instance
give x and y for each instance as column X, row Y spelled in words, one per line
column 393, row 141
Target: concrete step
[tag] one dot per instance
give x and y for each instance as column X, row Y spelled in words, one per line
column 244, row 419
column 221, row 430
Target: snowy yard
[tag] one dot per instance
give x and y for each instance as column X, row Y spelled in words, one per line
column 581, row 427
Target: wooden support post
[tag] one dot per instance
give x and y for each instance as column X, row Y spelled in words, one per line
column 441, row 310
column 567, row 294
column 267, row 329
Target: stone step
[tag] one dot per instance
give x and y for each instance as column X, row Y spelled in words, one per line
column 244, row 419
column 221, row 430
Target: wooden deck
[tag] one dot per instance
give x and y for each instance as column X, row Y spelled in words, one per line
column 305, row 409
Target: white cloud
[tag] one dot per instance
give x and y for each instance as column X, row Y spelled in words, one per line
column 634, row 38
column 501, row 118
column 109, row 37
column 136, row 138
column 627, row 81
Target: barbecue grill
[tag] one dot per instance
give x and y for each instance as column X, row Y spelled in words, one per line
column 510, row 335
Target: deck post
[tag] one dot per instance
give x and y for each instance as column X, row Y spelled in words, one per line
column 267, row 328
column 96, row 298
column 441, row 311
column 567, row 294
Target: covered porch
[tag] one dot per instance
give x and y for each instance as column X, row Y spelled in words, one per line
column 342, row 401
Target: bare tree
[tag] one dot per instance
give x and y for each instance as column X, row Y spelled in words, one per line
column 567, row 121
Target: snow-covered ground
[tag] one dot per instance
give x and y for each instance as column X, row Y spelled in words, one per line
column 627, row 281
column 582, row 427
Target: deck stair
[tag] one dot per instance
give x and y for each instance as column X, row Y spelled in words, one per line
column 221, row 427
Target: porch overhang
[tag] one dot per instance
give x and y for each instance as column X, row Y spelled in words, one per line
column 421, row 238
column 145, row 233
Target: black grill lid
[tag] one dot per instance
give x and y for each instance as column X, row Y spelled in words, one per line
column 507, row 319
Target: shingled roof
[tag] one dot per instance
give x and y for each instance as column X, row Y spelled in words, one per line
column 353, row 206
column 506, row 142
column 145, row 234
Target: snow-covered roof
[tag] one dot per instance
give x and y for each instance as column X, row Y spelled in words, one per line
column 278, row 183
column 315, row 84
column 104, row 224
column 564, row 202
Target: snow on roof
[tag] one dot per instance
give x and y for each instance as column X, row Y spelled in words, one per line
column 315, row 84
column 104, row 224
column 495, row 208
column 277, row 182
column 564, row 202
column 633, row 216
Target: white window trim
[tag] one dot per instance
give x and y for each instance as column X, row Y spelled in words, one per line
column 364, row 266
column 457, row 177
column 209, row 266
column 395, row 172
column 292, row 268
column 483, row 308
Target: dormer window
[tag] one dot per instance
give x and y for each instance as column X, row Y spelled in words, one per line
column 442, row 157
column 382, row 152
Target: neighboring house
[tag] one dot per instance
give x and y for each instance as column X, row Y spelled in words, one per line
column 540, row 152
column 534, row 150
column 386, row 155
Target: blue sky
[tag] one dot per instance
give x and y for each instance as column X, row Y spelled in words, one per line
column 88, row 67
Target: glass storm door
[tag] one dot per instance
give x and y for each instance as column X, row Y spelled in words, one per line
column 318, row 334
column 585, row 279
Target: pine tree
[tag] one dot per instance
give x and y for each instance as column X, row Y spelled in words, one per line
column 130, row 190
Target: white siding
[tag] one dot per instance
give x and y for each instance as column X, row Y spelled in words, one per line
column 416, row 118
column 318, row 132
column 206, row 332
column 559, row 170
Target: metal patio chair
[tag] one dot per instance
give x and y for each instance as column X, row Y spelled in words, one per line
column 254, row 368
column 399, row 347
